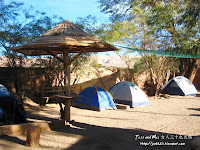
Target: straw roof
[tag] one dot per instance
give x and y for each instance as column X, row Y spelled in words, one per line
column 65, row 36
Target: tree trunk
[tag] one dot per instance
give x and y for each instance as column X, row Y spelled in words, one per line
column 196, row 66
column 189, row 67
column 67, row 85
column 167, row 77
column 33, row 136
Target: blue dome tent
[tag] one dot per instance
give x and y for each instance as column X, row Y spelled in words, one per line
column 11, row 111
column 94, row 98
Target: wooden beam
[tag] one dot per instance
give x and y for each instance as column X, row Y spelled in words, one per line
column 74, row 58
column 20, row 129
column 67, row 84
column 33, row 136
column 54, row 55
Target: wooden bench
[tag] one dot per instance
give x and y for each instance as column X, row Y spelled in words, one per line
column 48, row 92
column 57, row 95
column 65, row 113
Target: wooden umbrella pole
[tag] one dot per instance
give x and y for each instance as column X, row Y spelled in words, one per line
column 67, row 85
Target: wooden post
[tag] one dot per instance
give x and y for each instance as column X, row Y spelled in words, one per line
column 67, row 84
column 33, row 136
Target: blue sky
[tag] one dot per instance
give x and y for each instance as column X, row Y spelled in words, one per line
column 68, row 9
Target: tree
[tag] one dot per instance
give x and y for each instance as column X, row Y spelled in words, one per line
column 156, row 24
column 19, row 26
column 176, row 21
column 182, row 26
column 88, row 24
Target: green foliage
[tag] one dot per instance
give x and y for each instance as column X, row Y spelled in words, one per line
column 94, row 63
column 167, row 25
column 139, row 66
column 191, row 15
column 183, row 36
column 171, row 25
column 120, row 9
column 88, row 24
column 117, row 31
column 79, row 63
column 19, row 26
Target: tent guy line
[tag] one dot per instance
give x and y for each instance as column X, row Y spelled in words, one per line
column 160, row 53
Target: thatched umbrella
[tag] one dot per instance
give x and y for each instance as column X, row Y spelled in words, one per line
column 63, row 39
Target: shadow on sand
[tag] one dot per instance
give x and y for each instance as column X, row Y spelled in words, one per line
column 198, row 95
column 197, row 109
column 13, row 139
column 107, row 138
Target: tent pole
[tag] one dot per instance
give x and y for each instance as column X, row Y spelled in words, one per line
column 67, row 84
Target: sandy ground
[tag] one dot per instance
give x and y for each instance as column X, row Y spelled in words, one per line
column 164, row 123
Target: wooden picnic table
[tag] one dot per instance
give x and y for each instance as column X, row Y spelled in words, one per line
column 68, row 99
